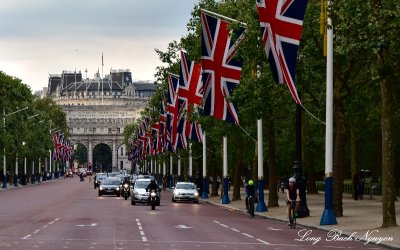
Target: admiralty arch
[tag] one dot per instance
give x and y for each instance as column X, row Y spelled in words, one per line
column 98, row 109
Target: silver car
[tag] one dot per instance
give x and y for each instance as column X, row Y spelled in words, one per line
column 138, row 192
column 185, row 191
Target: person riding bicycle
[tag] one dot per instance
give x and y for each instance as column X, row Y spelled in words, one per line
column 292, row 194
column 250, row 191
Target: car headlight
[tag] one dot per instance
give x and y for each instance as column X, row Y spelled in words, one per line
column 196, row 193
column 117, row 188
column 176, row 192
column 153, row 194
column 126, row 185
column 101, row 188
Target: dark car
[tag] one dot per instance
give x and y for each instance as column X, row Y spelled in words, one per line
column 110, row 186
column 98, row 178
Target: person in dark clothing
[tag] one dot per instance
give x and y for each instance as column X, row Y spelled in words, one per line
column 250, row 191
column 152, row 186
column 356, row 181
column 292, row 194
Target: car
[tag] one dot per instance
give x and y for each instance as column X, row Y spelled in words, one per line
column 98, row 178
column 139, row 193
column 185, row 191
column 110, row 186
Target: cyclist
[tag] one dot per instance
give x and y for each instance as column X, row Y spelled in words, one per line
column 292, row 194
column 250, row 191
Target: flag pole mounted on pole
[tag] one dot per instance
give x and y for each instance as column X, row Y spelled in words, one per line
column 261, row 207
column 225, row 197
column 328, row 216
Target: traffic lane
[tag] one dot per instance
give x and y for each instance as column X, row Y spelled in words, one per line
column 84, row 220
column 191, row 224
column 93, row 222
column 187, row 225
column 279, row 234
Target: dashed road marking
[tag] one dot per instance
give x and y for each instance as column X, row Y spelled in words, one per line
column 248, row 235
column 36, row 231
column 141, row 230
column 234, row 229
column 262, row 241
column 26, row 237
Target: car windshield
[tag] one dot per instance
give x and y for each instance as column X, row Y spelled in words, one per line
column 142, row 184
column 111, row 181
column 185, row 186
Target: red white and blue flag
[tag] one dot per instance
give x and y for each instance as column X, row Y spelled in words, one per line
column 281, row 24
column 190, row 97
column 172, row 111
column 221, row 72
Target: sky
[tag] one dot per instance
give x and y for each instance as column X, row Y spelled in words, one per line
column 42, row 37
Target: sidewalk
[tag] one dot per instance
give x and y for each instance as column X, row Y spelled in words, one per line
column 361, row 217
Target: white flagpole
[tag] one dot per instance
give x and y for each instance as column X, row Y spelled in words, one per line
column 328, row 216
column 102, row 83
column 179, row 167
column 171, row 172
column 261, row 207
column 225, row 197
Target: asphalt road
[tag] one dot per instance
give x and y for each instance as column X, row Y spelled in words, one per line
column 68, row 214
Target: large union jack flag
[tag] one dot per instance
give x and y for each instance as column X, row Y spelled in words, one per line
column 172, row 111
column 221, row 71
column 281, row 24
column 190, row 96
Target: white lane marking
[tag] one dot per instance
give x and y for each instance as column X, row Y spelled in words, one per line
column 91, row 225
column 51, row 222
column 183, row 226
column 248, row 235
column 274, row 229
column 262, row 241
column 36, row 231
column 234, row 229
column 45, row 226
column 26, row 237
column 217, row 222
column 141, row 230
column 56, row 219
column 223, row 225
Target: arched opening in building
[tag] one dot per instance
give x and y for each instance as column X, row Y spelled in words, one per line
column 102, row 158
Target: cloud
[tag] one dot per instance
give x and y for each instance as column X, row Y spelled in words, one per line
column 48, row 36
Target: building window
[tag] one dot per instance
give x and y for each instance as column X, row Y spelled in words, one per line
column 122, row 151
column 109, row 130
column 118, row 130
column 85, row 130
column 94, row 130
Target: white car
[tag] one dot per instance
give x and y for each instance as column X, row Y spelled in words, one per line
column 139, row 193
column 185, row 191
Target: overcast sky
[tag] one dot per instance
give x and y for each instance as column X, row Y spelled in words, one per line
column 42, row 37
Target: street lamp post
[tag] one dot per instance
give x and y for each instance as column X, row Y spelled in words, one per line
column 23, row 180
column 4, row 147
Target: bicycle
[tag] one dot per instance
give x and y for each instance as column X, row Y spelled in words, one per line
column 292, row 213
column 250, row 201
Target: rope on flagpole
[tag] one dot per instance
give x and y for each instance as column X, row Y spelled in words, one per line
column 223, row 17
column 247, row 133
column 313, row 116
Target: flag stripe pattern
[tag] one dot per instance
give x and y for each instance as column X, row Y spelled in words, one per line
column 281, row 24
column 221, row 72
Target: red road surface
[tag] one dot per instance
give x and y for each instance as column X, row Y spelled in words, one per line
column 68, row 214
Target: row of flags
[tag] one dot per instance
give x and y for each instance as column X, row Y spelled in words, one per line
column 62, row 147
column 211, row 82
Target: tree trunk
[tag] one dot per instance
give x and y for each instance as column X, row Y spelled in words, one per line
column 271, row 155
column 339, row 155
column 214, row 187
column 238, row 171
column 353, row 155
column 388, row 152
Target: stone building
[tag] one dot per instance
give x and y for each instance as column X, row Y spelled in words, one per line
column 98, row 110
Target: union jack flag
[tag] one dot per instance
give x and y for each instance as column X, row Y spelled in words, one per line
column 221, row 72
column 163, row 127
column 190, row 96
column 172, row 111
column 281, row 24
